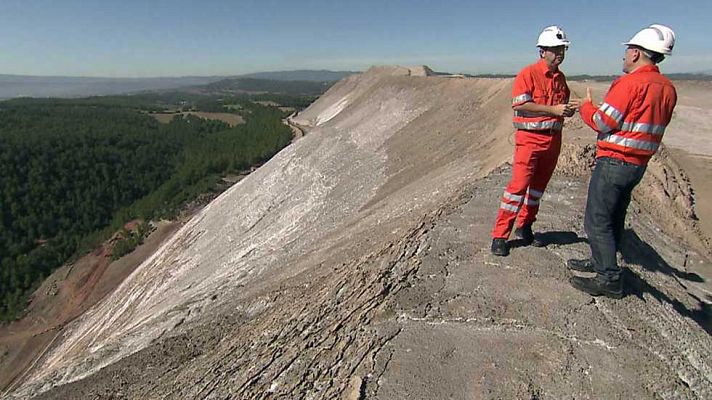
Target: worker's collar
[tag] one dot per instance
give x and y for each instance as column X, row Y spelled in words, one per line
column 646, row 68
column 544, row 68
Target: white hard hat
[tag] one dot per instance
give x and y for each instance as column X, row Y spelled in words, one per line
column 657, row 38
column 552, row 36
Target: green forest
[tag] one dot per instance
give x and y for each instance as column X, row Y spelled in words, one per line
column 73, row 171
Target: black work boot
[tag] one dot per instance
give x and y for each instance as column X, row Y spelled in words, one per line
column 583, row 265
column 525, row 233
column 598, row 287
column 500, row 247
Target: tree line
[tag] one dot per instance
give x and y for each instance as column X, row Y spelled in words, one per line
column 269, row 86
column 74, row 171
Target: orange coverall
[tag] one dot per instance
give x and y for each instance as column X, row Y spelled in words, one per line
column 537, row 146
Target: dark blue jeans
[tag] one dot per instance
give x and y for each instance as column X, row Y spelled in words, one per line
column 609, row 194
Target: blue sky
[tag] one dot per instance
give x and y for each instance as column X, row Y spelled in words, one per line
column 176, row 38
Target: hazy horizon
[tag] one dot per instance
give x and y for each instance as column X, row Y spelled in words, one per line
column 248, row 74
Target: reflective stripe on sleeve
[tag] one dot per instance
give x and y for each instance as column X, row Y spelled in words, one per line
column 628, row 142
column 644, row 128
column 602, row 127
column 612, row 112
column 522, row 98
column 531, row 202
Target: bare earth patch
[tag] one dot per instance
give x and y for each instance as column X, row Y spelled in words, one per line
column 65, row 295
column 230, row 119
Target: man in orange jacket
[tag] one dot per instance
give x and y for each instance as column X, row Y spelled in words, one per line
column 540, row 99
column 630, row 125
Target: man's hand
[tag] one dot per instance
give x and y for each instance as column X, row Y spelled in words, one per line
column 559, row 110
column 564, row 110
column 589, row 97
column 571, row 107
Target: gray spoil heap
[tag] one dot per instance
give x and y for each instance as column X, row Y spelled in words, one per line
column 355, row 264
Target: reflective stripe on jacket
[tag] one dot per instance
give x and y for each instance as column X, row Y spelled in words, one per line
column 538, row 84
column 633, row 117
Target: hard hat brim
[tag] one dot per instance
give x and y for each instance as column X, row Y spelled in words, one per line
column 563, row 43
column 654, row 51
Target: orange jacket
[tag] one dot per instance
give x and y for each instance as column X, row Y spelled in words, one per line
column 633, row 117
column 537, row 83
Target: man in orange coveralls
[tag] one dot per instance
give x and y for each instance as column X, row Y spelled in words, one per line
column 540, row 99
column 630, row 125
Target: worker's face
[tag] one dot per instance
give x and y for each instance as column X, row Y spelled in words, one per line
column 631, row 56
column 553, row 56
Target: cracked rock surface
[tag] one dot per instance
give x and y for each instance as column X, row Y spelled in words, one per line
column 473, row 325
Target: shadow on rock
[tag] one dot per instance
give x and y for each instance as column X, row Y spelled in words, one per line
column 702, row 315
column 635, row 251
column 559, row 237
column 553, row 237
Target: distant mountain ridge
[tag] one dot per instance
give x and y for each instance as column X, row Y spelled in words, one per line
column 12, row 86
column 301, row 75
column 256, row 85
